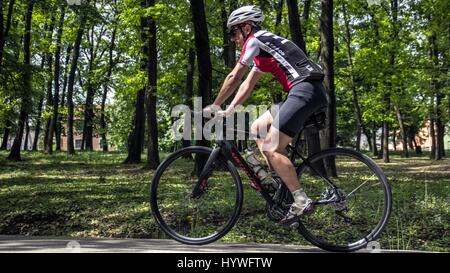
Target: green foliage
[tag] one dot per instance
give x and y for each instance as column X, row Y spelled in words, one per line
column 374, row 39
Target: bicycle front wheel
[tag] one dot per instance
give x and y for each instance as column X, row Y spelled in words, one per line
column 350, row 211
column 211, row 212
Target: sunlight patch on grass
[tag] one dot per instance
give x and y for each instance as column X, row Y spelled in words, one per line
column 93, row 195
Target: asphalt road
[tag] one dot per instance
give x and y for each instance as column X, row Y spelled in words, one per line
column 88, row 245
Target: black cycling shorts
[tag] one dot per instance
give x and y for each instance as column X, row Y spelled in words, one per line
column 303, row 100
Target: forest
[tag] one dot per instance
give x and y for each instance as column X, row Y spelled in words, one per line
column 114, row 69
column 78, row 76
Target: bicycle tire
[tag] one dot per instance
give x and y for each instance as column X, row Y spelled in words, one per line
column 156, row 209
column 387, row 206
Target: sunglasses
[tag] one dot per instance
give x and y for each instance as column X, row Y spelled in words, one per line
column 233, row 32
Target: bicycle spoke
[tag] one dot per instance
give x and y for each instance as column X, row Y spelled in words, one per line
column 195, row 220
column 359, row 186
column 359, row 201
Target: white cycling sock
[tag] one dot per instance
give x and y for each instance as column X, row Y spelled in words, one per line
column 300, row 197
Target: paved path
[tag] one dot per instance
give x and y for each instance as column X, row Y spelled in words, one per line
column 51, row 244
column 84, row 245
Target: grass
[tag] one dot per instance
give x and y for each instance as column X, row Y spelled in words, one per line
column 93, row 195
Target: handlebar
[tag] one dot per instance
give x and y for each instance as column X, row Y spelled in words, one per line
column 223, row 120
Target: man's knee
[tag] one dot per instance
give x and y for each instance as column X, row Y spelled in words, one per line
column 259, row 129
column 271, row 152
column 268, row 154
column 254, row 127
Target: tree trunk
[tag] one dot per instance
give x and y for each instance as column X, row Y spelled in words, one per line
column 279, row 17
column 294, row 24
column 402, row 131
column 5, row 138
column 37, row 128
column 4, row 29
column 432, row 138
column 374, row 141
column 229, row 48
column 152, row 69
column 203, row 51
column 386, row 128
column 203, row 63
column 360, row 123
column 394, row 140
column 14, row 155
column 417, row 147
column 202, row 46
column 327, row 56
column 136, row 137
column 88, row 132
column 89, row 104
column 312, row 137
column 358, row 137
column 71, row 83
column 4, row 35
column 9, row 17
column 63, row 99
column 380, row 154
column 49, row 97
column 439, row 128
column 27, row 134
column 103, row 125
column 306, row 11
column 410, row 136
column 53, row 124
column 189, row 90
column 440, row 151
column 387, row 95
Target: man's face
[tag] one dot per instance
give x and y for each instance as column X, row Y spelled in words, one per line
column 236, row 35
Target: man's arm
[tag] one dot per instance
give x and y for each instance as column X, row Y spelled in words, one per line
column 245, row 89
column 231, row 83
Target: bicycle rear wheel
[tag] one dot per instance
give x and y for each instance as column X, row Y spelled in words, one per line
column 208, row 216
column 348, row 217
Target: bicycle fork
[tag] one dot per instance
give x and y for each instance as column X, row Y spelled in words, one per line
column 206, row 171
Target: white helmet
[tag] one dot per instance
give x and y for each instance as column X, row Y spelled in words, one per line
column 243, row 14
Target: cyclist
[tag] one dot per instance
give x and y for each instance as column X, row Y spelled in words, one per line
column 301, row 79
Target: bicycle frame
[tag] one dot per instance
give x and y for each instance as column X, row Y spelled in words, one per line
column 229, row 151
column 306, row 162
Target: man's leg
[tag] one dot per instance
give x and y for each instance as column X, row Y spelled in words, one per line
column 273, row 148
column 260, row 128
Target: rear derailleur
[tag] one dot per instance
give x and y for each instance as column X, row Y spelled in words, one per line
column 337, row 200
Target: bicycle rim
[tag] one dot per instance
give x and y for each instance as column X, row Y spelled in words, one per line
column 195, row 220
column 357, row 219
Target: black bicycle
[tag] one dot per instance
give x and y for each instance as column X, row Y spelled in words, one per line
column 197, row 194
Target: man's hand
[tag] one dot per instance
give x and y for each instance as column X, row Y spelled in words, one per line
column 229, row 111
column 210, row 109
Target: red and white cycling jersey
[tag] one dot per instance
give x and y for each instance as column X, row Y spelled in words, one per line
column 268, row 52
